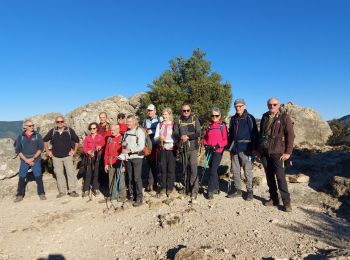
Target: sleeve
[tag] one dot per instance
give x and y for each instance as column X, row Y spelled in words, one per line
column 18, row 148
column 230, row 131
column 205, row 138
column 48, row 136
column 40, row 143
column 85, row 145
column 289, row 135
column 102, row 141
column 105, row 158
column 74, row 136
column 196, row 134
column 254, row 134
column 157, row 134
column 141, row 142
column 176, row 134
column 224, row 136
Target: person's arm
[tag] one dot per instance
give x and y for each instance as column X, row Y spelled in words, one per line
column 106, row 156
column 176, row 132
column 204, row 141
column 75, row 139
column 289, row 134
column 157, row 134
column 85, row 146
column 18, row 148
column 140, row 145
column 254, row 135
column 47, row 138
column 224, row 136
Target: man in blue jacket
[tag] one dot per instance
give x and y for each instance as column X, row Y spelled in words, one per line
column 29, row 146
column 243, row 141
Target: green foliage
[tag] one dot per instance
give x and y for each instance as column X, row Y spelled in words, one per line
column 337, row 128
column 189, row 80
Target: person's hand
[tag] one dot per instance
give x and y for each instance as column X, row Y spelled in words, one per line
column 256, row 154
column 106, row 168
column 49, row 153
column 72, row 152
column 124, row 144
column 162, row 138
column 125, row 151
column 216, row 147
column 91, row 153
column 30, row 160
column 149, row 131
column 98, row 148
column 184, row 138
column 285, row 157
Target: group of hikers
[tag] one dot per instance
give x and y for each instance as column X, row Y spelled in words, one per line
column 123, row 150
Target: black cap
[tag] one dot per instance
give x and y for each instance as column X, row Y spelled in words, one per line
column 121, row 115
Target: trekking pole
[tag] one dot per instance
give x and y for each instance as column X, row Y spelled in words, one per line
column 206, row 165
column 184, row 162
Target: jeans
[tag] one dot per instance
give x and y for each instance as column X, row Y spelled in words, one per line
column 23, row 170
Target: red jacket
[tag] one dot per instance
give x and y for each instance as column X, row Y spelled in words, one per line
column 113, row 149
column 122, row 128
column 213, row 135
column 90, row 143
column 104, row 130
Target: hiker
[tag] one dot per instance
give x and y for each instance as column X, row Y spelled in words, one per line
column 276, row 145
column 112, row 164
column 187, row 131
column 92, row 149
column 64, row 143
column 243, row 141
column 104, row 126
column 122, row 123
column 132, row 147
column 29, row 146
column 164, row 136
column 214, row 141
column 150, row 124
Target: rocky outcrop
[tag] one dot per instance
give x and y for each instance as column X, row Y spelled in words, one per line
column 44, row 122
column 311, row 131
column 8, row 163
column 340, row 186
column 343, row 139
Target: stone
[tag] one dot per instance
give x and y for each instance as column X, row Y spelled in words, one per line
column 191, row 254
column 340, row 186
column 298, row 178
column 9, row 163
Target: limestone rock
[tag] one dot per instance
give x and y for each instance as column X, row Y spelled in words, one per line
column 340, row 186
column 9, row 165
column 192, row 254
column 298, row 178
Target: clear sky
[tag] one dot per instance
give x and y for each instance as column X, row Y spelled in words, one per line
column 58, row 55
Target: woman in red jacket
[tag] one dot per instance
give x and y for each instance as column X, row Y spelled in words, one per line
column 214, row 141
column 92, row 146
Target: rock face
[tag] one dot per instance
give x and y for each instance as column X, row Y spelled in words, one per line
column 340, row 186
column 310, row 129
column 8, row 165
column 343, row 139
column 44, row 122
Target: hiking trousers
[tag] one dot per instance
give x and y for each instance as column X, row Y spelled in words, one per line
column 152, row 162
column 274, row 170
column 167, row 166
column 134, row 181
column 91, row 177
column 213, row 172
column 238, row 161
column 60, row 166
column 23, row 171
column 113, row 171
column 190, row 177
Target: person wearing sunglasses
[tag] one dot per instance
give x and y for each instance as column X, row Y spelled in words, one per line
column 276, row 146
column 92, row 149
column 29, row 146
column 215, row 140
column 243, row 140
column 64, row 142
column 187, row 130
column 121, row 119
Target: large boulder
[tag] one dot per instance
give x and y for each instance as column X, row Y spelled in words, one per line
column 9, row 163
column 44, row 122
column 310, row 129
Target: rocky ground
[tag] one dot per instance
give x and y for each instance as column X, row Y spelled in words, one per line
column 172, row 228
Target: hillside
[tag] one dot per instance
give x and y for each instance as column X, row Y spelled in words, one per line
column 10, row 129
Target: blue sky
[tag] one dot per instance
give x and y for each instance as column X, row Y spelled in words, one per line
column 58, row 55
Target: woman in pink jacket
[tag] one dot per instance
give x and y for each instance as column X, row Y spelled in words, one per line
column 92, row 148
column 214, row 141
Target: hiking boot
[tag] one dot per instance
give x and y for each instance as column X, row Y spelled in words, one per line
column 73, row 194
column 217, row 192
column 137, row 203
column 250, row 195
column 271, row 202
column 95, row 192
column 60, row 195
column 42, row 197
column 18, row 199
column 210, row 196
column 149, row 188
column 235, row 194
column 182, row 191
column 287, row 207
column 85, row 194
column 169, row 192
column 161, row 193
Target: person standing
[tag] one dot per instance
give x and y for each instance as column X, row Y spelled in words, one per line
column 64, row 143
column 215, row 140
column 165, row 137
column 276, row 146
column 122, row 123
column 29, row 146
column 187, row 131
column 111, row 162
column 92, row 149
column 243, row 140
column 104, row 126
column 132, row 148
column 151, row 124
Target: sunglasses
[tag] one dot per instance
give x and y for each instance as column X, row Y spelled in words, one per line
column 186, row 110
column 29, row 125
column 215, row 115
column 93, row 128
column 59, row 122
column 239, row 106
column 272, row 105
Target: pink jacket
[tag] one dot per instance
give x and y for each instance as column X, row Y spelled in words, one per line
column 91, row 143
column 213, row 135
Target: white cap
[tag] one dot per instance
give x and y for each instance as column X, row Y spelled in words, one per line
column 151, row 107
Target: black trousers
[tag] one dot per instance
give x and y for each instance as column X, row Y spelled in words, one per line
column 167, row 166
column 134, row 180
column 274, row 170
column 213, row 172
column 92, row 170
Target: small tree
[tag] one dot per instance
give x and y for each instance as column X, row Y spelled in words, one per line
column 189, row 81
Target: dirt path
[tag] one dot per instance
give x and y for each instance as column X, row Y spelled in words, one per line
column 222, row 229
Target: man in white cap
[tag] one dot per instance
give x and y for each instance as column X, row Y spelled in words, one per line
column 150, row 124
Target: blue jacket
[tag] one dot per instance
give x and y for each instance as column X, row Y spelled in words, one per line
column 29, row 146
column 243, row 133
